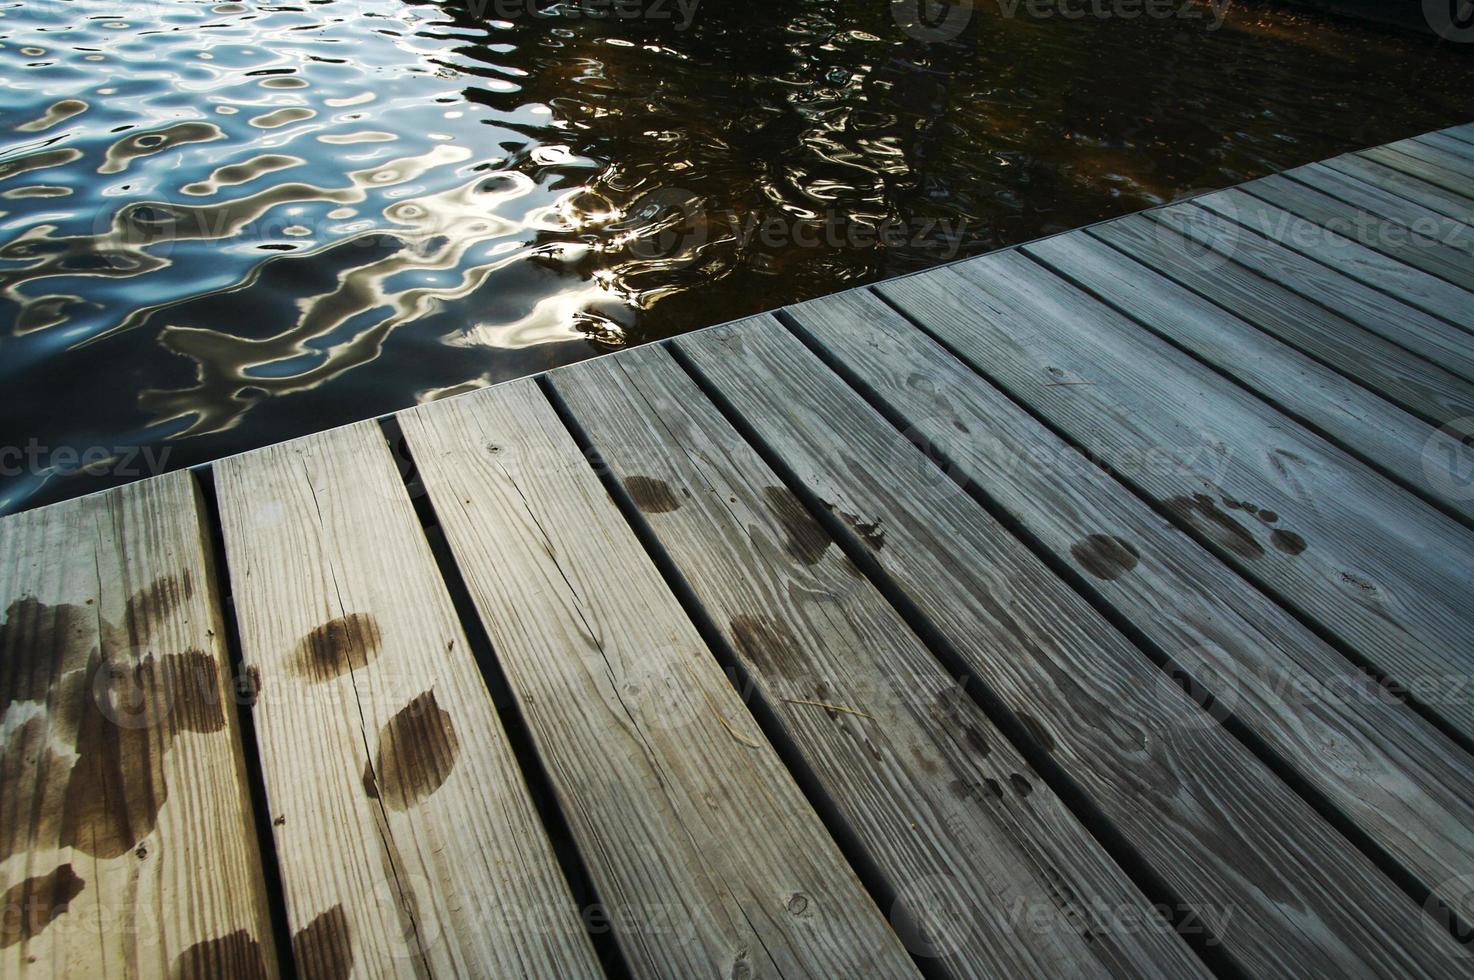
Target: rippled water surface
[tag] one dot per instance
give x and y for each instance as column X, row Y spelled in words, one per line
column 226, row 224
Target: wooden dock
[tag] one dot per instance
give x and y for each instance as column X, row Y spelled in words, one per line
column 1098, row 607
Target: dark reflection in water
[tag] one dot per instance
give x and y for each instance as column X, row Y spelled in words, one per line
column 226, row 224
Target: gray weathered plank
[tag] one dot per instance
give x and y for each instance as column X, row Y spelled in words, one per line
column 1449, row 180
column 1379, row 433
column 127, row 847
column 914, row 766
column 1464, row 132
column 1381, row 570
column 1385, row 230
column 697, row 839
column 409, row 844
column 1425, row 335
column 1443, row 149
column 1426, row 223
column 1394, row 775
column 1418, row 385
column 1393, row 276
column 1396, row 182
column 1283, row 893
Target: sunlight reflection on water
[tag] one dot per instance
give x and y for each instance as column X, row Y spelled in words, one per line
column 225, row 224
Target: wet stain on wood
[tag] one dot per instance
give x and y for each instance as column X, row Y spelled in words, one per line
column 116, row 786
column 975, row 740
column 118, row 707
column 192, row 685
column 1264, row 514
column 28, row 908
column 766, row 645
column 248, row 686
column 1287, row 541
column 323, row 948
column 870, row 532
column 237, row 955
column 417, row 750
column 39, row 643
column 1106, row 556
column 652, row 496
column 804, row 538
column 336, row 647
column 32, row 774
column 1203, row 513
column 152, row 604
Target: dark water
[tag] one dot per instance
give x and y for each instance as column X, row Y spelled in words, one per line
column 223, row 225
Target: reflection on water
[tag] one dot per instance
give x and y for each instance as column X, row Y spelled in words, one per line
column 226, row 224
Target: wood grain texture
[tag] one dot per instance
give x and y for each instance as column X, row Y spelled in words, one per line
column 1440, row 177
column 1444, row 151
column 1427, row 223
column 1463, row 132
column 1377, row 432
column 127, row 846
column 921, row 776
column 1392, row 276
column 1404, row 185
column 1219, row 241
column 1418, row 385
column 1383, row 571
column 1399, row 779
column 1283, row 893
column 1437, row 248
column 408, row 842
column 698, row 840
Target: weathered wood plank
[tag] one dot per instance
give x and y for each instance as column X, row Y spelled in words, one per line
column 1425, row 335
column 1464, row 132
column 408, row 841
column 1449, row 180
column 915, row 767
column 1283, row 893
column 696, row 836
column 1443, row 256
column 1384, row 572
column 1396, row 182
column 1426, row 223
column 127, row 846
column 1379, row 433
column 1393, row 276
column 1418, row 385
column 1400, row 780
column 1441, row 149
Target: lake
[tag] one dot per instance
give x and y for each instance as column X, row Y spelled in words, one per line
column 223, row 225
